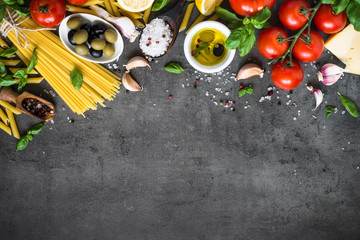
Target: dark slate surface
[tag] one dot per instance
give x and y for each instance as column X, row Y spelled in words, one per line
column 150, row 167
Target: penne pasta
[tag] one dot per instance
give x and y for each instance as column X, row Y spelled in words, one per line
column 3, row 117
column 91, row 2
column 199, row 19
column 186, row 18
column 10, row 107
column 3, row 44
column 114, row 8
column 13, row 125
column 134, row 15
column 214, row 17
column 147, row 15
column 108, row 7
column 34, row 80
column 5, row 128
column 13, row 70
column 75, row 9
column 10, row 62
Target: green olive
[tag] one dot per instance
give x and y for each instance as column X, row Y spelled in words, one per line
column 111, row 35
column 109, row 49
column 98, row 44
column 74, row 23
column 82, row 49
column 80, row 36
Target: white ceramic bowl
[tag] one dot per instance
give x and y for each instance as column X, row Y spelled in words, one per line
column 87, row 18
column 187, row 47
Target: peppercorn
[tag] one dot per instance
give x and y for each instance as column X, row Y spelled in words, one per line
column 170, row 96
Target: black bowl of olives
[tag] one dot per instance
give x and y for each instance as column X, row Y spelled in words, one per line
column 91, row 38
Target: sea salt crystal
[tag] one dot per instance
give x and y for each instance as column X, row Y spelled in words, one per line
column 227, row 93
column 182, row 85
column 343, row 112
column 155, row 38
column 294, row 118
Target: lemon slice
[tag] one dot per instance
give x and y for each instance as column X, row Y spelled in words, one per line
column 207, row 7
column 135, row 5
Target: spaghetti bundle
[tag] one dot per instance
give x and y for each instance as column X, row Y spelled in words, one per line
column 55, row 63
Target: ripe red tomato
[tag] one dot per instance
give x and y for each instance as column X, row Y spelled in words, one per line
column 269, row 45
column 327, row 22
column 77, row 2
column 250, row 7
column 308, row 49
column 287, row 77
column 48, row 13
column 290, row 15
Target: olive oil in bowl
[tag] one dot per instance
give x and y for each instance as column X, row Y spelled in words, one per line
column 208, row 47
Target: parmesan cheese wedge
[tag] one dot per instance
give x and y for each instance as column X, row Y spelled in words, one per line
column 345, row 45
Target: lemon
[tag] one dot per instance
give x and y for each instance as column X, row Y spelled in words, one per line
column 135, row 5
column 207, row 7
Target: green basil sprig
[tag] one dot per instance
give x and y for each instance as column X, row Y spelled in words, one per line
column 174, row 67
column 243, row 33
column 15, row 5
column 8, row 52
column 349, row 106
column 159, row 4
column 76, row 78
column 352, row 8
column 24, row 140
column 33, row 61
column 329, row 110
column 249, row 90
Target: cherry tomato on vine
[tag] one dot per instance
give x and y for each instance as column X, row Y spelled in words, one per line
column 290, row 13
column 48, row 13
column 327, row 22
column 308, row 49
column 250, row 7
column 287, row 77
column 77, row 2
column 269, row 42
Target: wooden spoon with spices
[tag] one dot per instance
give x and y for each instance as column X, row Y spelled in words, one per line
column 173, row 17
column 7, row 94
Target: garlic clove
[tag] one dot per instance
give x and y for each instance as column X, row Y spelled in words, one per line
column 137, row 62
column 124, row 24
column 330, row 74
column 318, row 94
column 130, row 84
column 249, row 70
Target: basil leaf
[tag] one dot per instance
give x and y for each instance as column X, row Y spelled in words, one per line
column 235, row 24
column 19, row 73
column 349, row 106
column 33, row 61
column 22, row 143
column 9, row 2
column 202, row 46
column 328, row 1
column 23, row 82
column 2, row 10
column 23, row 11
column 20, row 2
column 340, row 6
column 233, row 41
column 246, row 21
column 353, row 13
column 247, row 42
column 261, row 17
column 159, row 4
column 2, row 69
column 8, row 52
column 36, row 129
column 76, row 78
column 329, row 110
column 174, row 67
column 226, row 15
column 249, row 90
column 7, row 80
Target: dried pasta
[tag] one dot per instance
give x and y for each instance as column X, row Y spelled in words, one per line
column 9, row 107
column 34, row 80
column 186, row 18
column 10, row 62
column 214, row 17
column 13, row 125
column 5, row 128
column 147, row 15
column 91, row 2
column 75, row 9
column 13, row 70
column 3, row 117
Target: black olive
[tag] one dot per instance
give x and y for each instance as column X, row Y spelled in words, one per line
column 71, row 36
column 96, row 53
column 92, row 37
column 99, row 29
column 218, row 50
column 87, row 27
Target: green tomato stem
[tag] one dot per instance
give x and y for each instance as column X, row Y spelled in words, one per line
column 296, row 37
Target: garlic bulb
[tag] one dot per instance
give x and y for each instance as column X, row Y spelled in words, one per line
column 249, row 70
column 124, row 24
column 319, row 96
column 137, row 62
column 330, row 74
column 129, row 83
